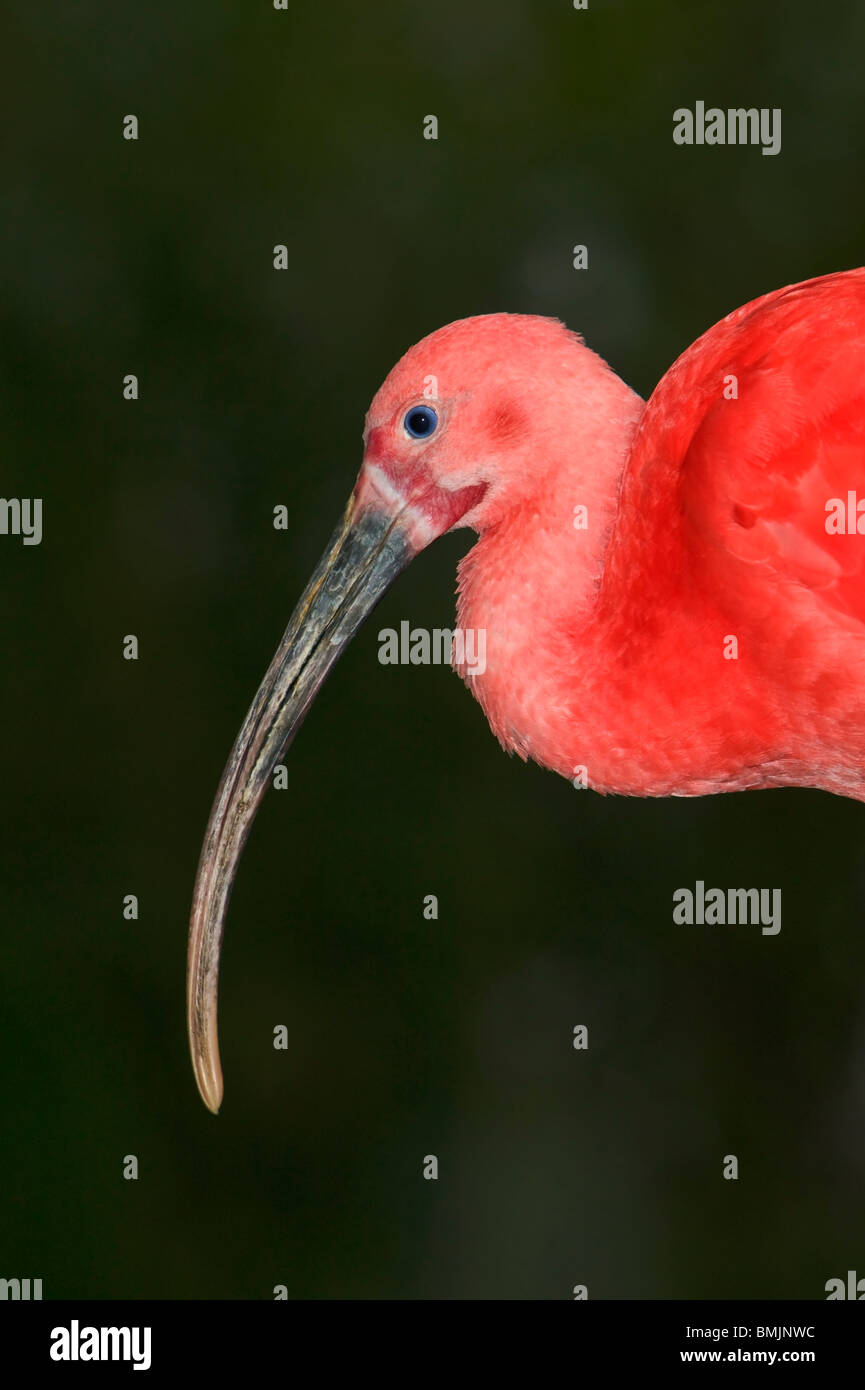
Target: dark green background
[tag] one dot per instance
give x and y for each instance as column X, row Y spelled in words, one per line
column 406, row 1037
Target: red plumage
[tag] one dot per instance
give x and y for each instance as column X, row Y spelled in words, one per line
column 714, row 521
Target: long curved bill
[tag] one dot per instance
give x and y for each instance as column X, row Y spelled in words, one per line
column 368, row 550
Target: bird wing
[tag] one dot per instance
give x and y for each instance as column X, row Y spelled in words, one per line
column 749, row 447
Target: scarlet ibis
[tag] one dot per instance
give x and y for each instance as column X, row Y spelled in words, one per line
column 672, row 592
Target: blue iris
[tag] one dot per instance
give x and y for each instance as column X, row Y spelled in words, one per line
column 420, row 421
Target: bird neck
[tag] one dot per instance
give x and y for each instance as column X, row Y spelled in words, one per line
column 531, row 582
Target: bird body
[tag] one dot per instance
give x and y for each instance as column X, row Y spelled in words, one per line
column 710, row 635
column 672, row 593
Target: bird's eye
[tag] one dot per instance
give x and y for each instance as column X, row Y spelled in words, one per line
column 420, row 421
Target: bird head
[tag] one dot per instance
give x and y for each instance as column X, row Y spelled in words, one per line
column 462, row 433
column 470, row 421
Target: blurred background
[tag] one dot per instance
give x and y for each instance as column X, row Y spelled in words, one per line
column 406, row 1037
